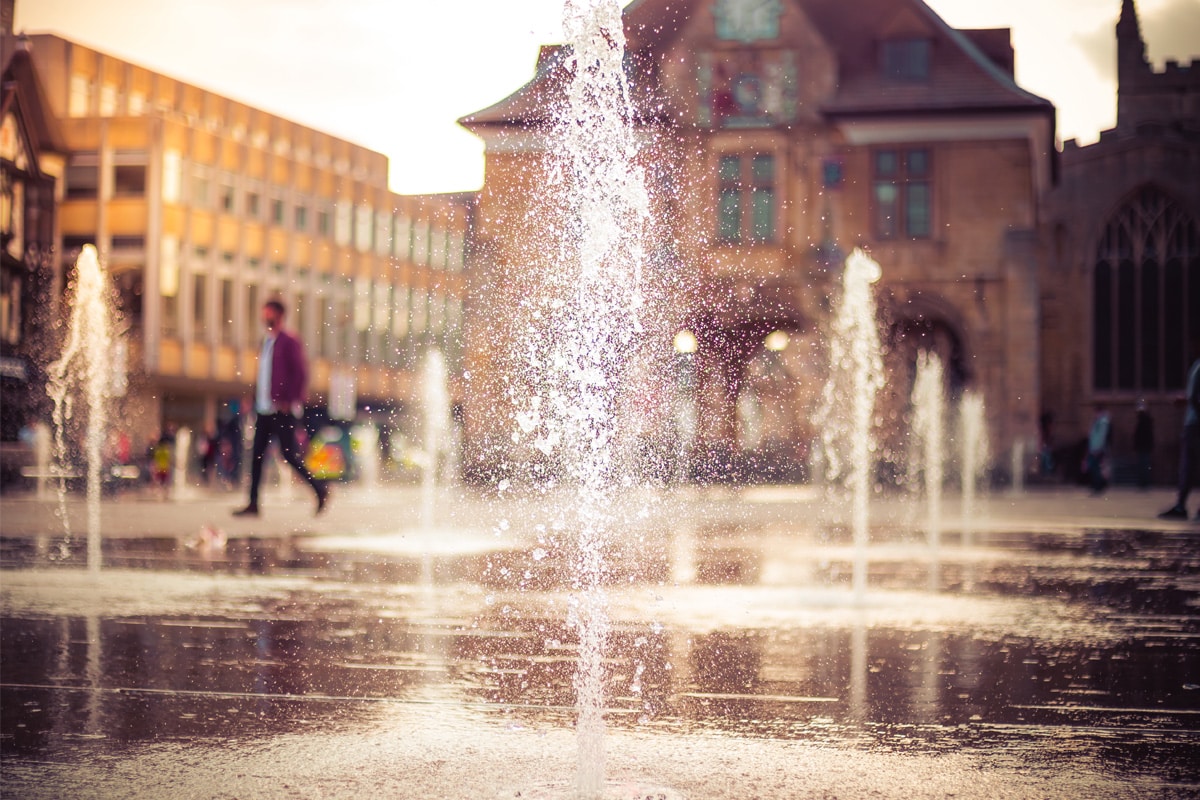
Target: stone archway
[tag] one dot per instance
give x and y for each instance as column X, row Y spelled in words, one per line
column 749, row 421
column 925, row 329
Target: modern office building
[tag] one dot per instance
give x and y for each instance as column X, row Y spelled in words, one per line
column 203, row 207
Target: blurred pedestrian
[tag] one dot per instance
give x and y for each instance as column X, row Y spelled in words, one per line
column 279, row 403
column 1143, row 445
column 1189, row 441
column 206, row 449
column 1099, row 438
column 161, row 455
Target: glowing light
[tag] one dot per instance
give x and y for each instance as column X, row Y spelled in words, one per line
column 776, row 341
column 685, row 342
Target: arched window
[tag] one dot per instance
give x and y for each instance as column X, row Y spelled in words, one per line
column 1146, row 302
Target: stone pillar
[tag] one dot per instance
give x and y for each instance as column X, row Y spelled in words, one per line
column 1022, row 348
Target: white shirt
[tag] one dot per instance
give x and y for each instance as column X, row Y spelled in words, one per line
column 262, row 394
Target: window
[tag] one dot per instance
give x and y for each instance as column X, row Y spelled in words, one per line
column 343, row 223
column 199, row 306
column 362, row 319
column 418, row 251
column 455, row 252
column 227, row 195
column 419, row 312
column 323, row 222
column 83, row 177
column 342, row 321
column 80, row 99
column 301, row 217
column 325, row 325
column 130, row 285
column 277, row 211
column 383, row 233
column 903, row 199
column 200, row 190
column 401, row 237
column 1146, row 296
column 129, row 180
column 109, row 100
column 302, row 312
column 172, row 176
column 130, row 242
column 253, row 204
column 129, row 174
column 253, row 313
column 762, row 199
column 746, row 199
column 364, row 228
column 226, row 321
column 905, row 59
column 381, row 322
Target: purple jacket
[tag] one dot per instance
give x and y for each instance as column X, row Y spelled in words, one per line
column 289, row 371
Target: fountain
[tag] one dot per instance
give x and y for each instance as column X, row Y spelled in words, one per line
column 81, row 383
column 972, row 425
column 928, row 432
column 181, row 489
column 435, row 443
column 855, row 371
column 738, row 670
column 583, row 333
column 364, row 443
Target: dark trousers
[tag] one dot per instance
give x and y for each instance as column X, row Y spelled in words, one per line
column 1095, row 465
column 1189, row 456
column 282, row 427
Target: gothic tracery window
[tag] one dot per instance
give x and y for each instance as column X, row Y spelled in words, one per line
column 1146, row 296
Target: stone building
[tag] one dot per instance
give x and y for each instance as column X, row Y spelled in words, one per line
column 31, row 167
column 202, row 208
column 1121, row 300
column 778, row 135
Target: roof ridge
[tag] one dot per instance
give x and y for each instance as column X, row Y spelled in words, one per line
column 976, row 54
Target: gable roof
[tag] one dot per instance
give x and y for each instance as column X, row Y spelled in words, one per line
column 962, row 76
column 22, row 92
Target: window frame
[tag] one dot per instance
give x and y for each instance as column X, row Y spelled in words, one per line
column 747, row 199
column 1145, row 295
column 906, row 58
column 907, row 182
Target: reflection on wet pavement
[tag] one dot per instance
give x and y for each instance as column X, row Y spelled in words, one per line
column 1038, row 646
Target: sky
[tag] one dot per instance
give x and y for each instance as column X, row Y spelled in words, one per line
column 395, row 75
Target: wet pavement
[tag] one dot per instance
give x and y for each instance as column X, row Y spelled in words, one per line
column 1049, row 647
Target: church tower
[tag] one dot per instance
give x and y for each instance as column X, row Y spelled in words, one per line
column 1132, row 66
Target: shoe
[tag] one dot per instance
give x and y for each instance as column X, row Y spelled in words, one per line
column 322, row 498
column 1174, row 512
column 248, row 511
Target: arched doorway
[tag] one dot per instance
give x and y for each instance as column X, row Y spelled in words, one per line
column 749, row 382
column 925, row 331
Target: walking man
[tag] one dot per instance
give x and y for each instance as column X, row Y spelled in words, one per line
column 279, row 402
column 1143, row 444
column 1099, row 439
column 1189, row 443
